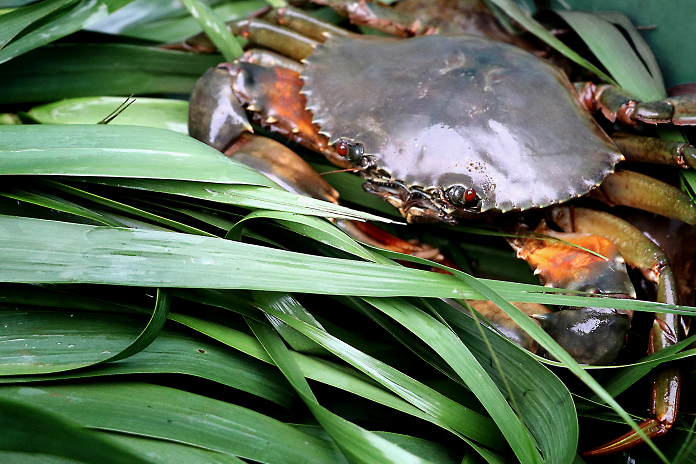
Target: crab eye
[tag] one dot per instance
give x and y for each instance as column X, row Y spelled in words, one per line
column 342, row 148
column 352, row 151
column 460, row 195
column 470, row 195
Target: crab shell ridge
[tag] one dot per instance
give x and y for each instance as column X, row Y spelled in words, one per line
column 437, row 111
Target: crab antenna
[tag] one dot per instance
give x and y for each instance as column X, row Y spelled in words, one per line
column 343, row 170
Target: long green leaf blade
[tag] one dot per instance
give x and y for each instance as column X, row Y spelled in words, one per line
column 116, row 151
column 174, row 415
column 154, row 259
column 357, row 444
column 32, row 429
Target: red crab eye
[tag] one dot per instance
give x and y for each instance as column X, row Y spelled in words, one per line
column 459, row 195
column 470, row 195
column 342, row 148
column 350, row 150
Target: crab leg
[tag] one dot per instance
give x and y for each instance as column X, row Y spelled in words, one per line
column 617, row 104
column 301, row 22
column 655, row 150
column 639, row 252
column 286, row 168
column 215, row 103
column 278, row 38
column 273, row 94
column 378, row 17
column 216, row 116
column 628, row 188
column 408, row 19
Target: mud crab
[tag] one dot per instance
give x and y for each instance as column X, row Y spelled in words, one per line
column 477, row 127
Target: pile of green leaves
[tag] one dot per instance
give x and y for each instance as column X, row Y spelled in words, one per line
column 162, row 303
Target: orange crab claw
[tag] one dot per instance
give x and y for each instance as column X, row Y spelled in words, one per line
column 578, row 261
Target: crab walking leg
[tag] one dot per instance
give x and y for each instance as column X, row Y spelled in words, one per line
column 639, row 252
column 412, row 18
column 655, row 150
column 628, row 188
column 305, row 24
column 278, row 38
column 618, row 105
column 378, row 17
column 289, row 170
column 269, row 59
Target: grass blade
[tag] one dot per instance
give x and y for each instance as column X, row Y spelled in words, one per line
column 34, row 430
column 174, row 415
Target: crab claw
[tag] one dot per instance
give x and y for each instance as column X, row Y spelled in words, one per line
column 580, row 261
column 575, row 261
column 590, row 335
column 504, row 323
column 216, row 116
column 642, row 253
column 281, row 165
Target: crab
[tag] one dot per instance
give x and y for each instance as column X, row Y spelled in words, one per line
column 478, row 128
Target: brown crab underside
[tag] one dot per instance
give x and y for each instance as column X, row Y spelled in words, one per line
column 474, row 113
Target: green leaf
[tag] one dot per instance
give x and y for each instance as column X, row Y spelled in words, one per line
column 471, row 424
column 148, row 155
column 63, row 20
column 615, row 53
column 171, row 353
column 459, row 357
column 56, row 203
column 16, row 21
column 32, row 429
column 215, row 29
column 661, row 25
column 164, row 21
column 539, row 397
column 71, row 341
column 150, row 112
column 248, row 196
column 167, row 452
column 150, row 258
column 153, row 328
column 315, row 228
column 68, row 70
column 116, row 151
column 525, row 19
column 285, row 303
column 174, row 415
column 430, row 405
column 124, row 208
column 357, row 444
column 556, row 351
column 642, row 48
